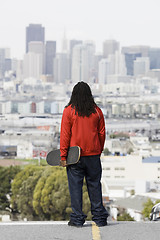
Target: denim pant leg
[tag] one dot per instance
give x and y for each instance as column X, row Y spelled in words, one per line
column 75, row 175
column 93, row 180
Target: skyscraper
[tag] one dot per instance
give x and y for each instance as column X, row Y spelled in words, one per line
column 129, row 58
column 34, row 32
column 110, row 47
column 32, row 65
column 5, row 61
column 61, row 67
column 83, row 62
column 141, row 66
column 2, row 62
column 154, row 56
column 49, row 56
column 38, row 48
column 73, row 43
column 144, row 50
column 104, row 70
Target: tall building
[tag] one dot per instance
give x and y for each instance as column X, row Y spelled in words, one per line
column 8, row 63
column 104, row 70
column 5, row 61
column 97, row 59
column 144, row 50
column 129, row 59
column 131, row 53
column 141, row 66
column 64, row 43
column 2, row 62
column 110, row 47
column 61, row 67
column 34, row 32
column 154, row 73
column 32, row 65
column 76, row 71
column 114, row 65
column 50, row 54
column 17, row 68
column 120, row 64
column 83, row 62
column 72, row 44
column 38, row 48
column 154, row 56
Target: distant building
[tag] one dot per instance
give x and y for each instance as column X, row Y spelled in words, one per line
column 143, row 50
column 72, row 44
column 5, row 61
column 129, row 58
column 61, row 67
column 114, row 65
column 120, row 64
column 17, row 68
column 8, row 64
column 123, row 88
column 32, row 65
column 64, row 43
column 141, row 66
column 154, row 73
column 122, row 173
column 104, row 70
column 97, row 59
column 154, row 56
column 34, row 32
column 50, row 53
column 38, row 48
column 24, row 108
column 83, row 62
column 110, row 47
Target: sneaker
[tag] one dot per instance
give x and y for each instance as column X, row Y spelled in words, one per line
column 101, row 224
column 70, row 223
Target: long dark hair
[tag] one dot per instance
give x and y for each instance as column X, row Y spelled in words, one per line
column 82, row 100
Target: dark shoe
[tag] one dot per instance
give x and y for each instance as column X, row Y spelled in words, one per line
column 70, row 223
column 101, row 224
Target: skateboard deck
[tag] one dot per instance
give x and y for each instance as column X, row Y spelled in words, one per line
column 53, row 157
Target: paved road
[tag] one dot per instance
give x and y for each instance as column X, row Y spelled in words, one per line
column 61, row 231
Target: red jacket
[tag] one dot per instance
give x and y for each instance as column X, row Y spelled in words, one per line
column 86, row 132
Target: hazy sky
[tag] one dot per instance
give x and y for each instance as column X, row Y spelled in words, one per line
column 128, row 21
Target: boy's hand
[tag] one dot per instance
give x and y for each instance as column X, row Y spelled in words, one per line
column 63, row 163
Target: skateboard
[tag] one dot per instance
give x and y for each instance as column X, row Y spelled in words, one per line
column 53, row 157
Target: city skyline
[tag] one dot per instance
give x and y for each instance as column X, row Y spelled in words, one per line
column 129, row 22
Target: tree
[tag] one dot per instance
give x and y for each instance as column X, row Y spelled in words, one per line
column 148, row 205
column 147, row 208
column 37, row 194
column 19, row 186
column 41, row 193
column 119, row 135
column 51, row 197
column 106, row 152
column 130, row 150
column 25, row 199
column 125, row 217
column 7, row 175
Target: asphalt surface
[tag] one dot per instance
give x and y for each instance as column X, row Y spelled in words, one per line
column 61, row 231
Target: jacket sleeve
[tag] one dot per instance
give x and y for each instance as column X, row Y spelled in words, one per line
column 101, row 129
column 65, row 134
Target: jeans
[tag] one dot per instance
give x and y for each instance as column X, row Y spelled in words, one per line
column 90, row 168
